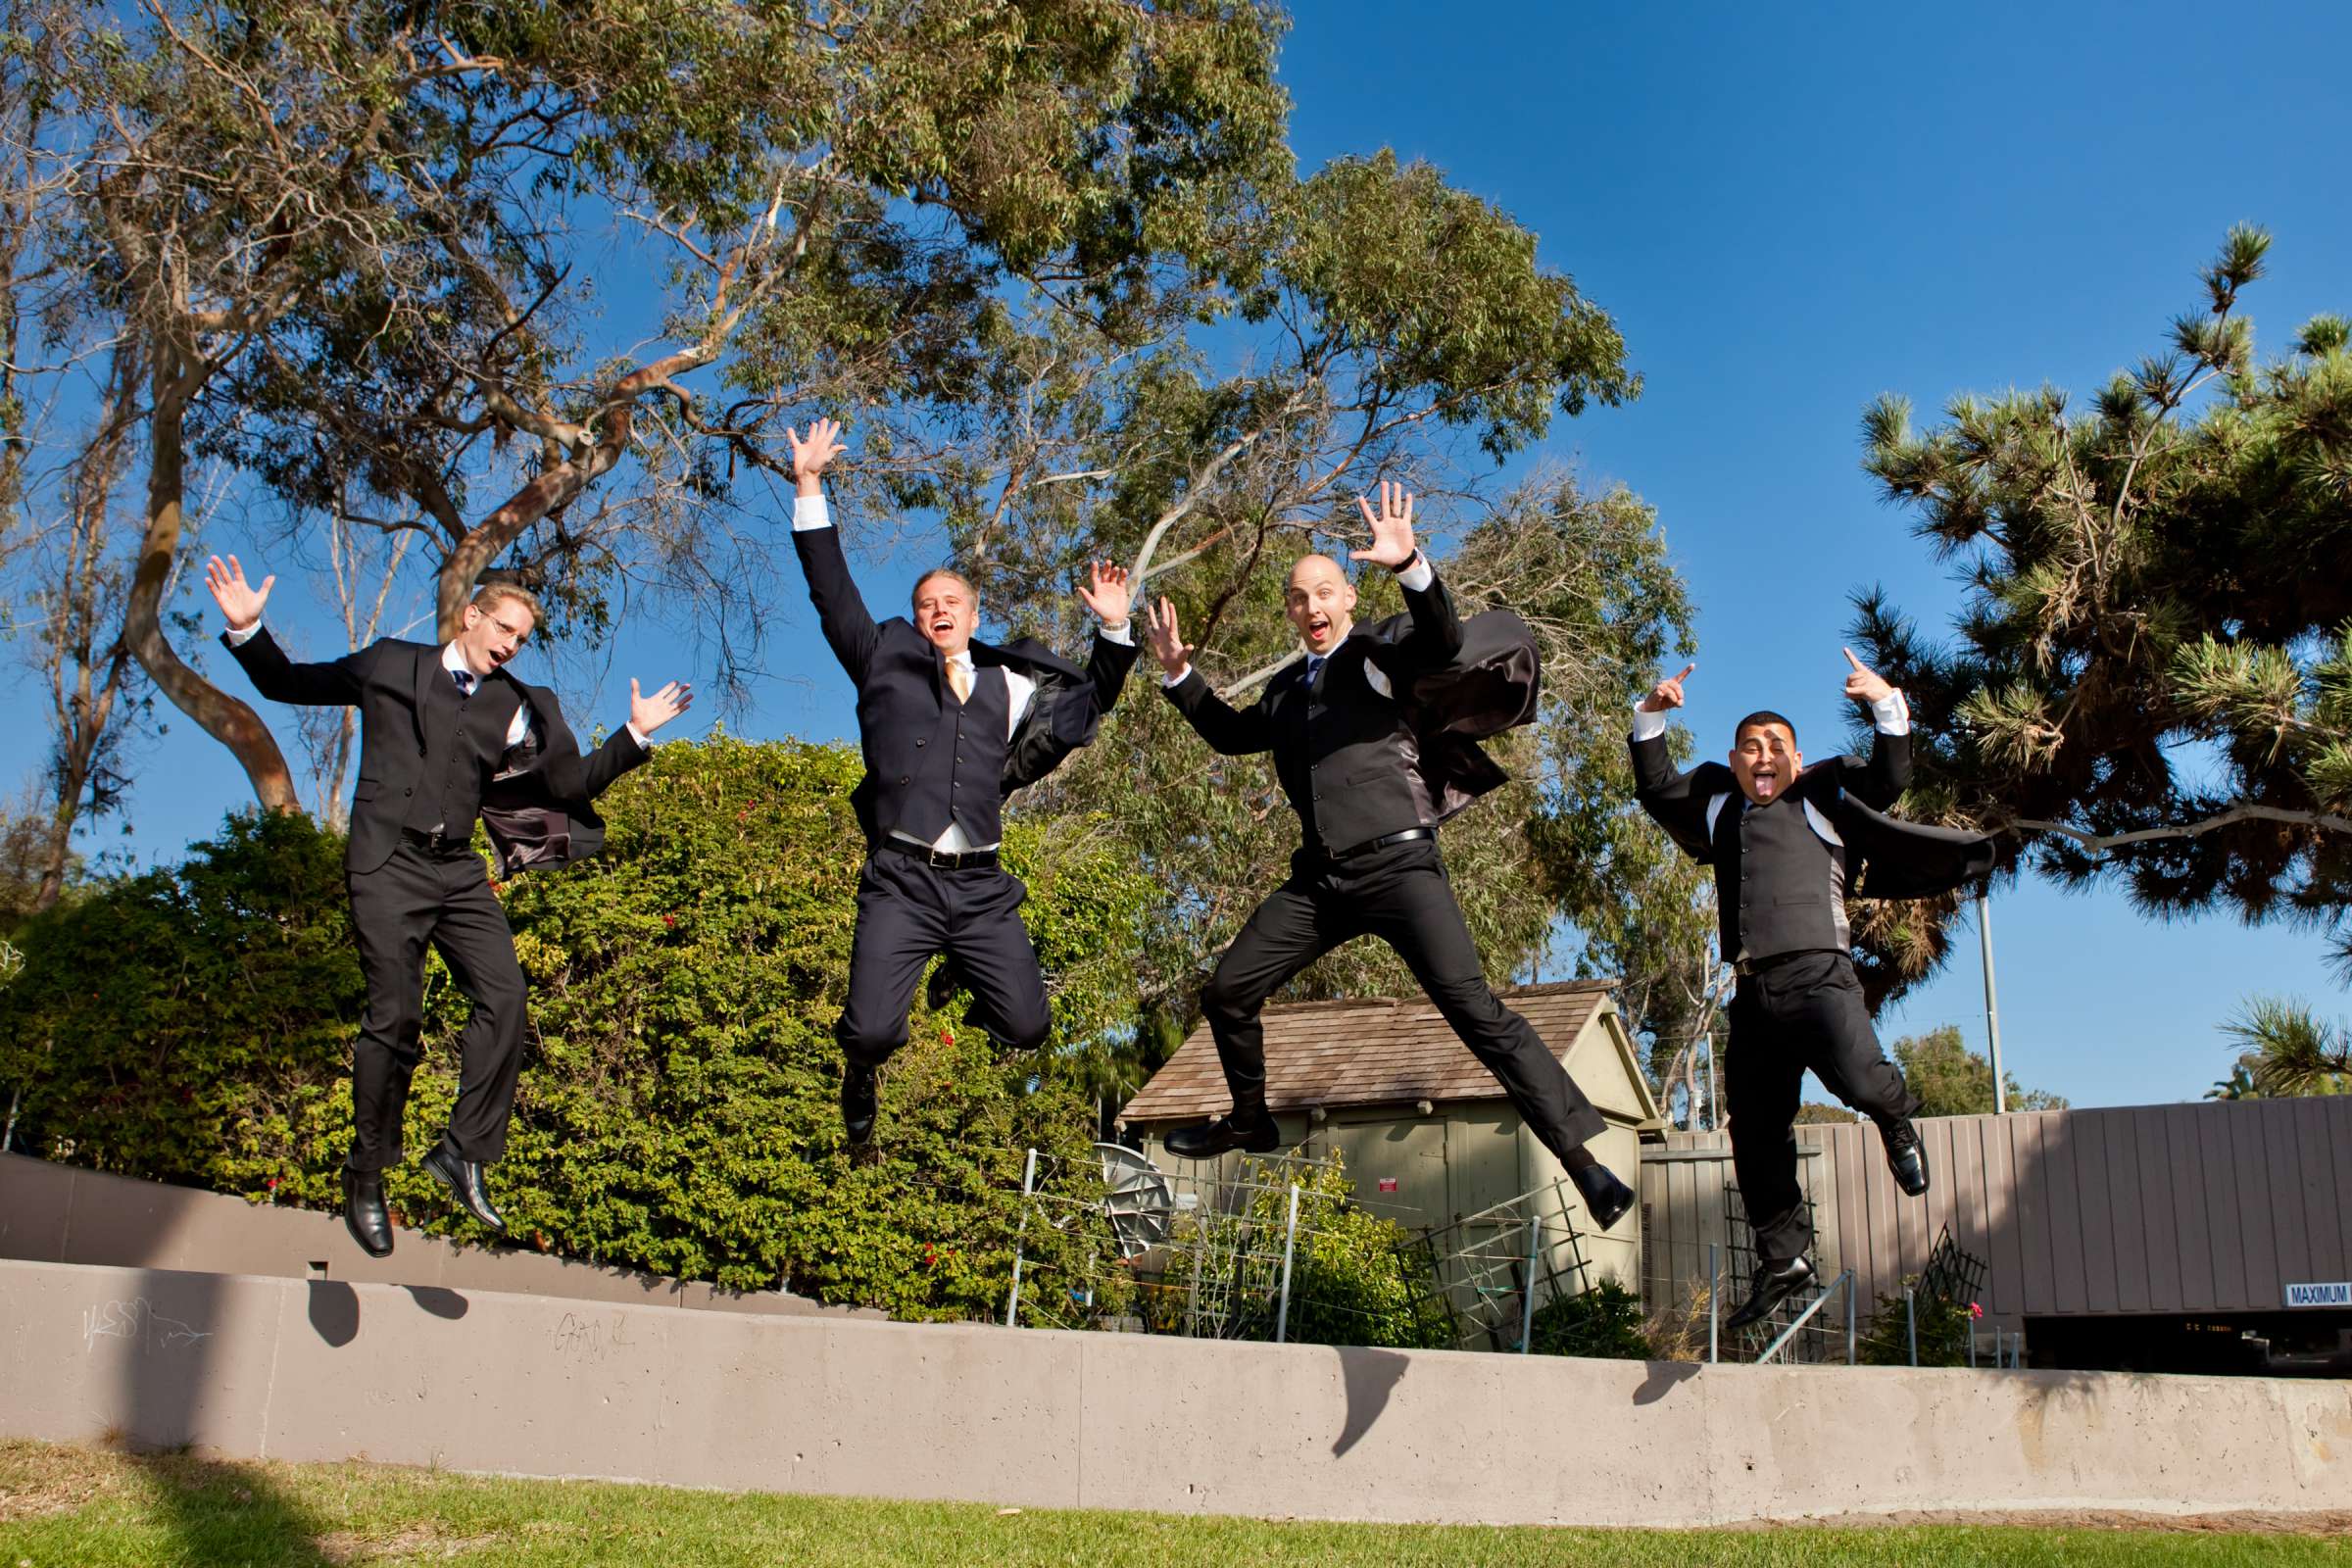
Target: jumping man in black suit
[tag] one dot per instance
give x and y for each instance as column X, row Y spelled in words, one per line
column 1790, row 845
column 1345, row 751
column 445, row 733
column 949, row 726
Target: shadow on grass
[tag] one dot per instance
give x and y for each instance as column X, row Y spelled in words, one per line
column 220, row 1511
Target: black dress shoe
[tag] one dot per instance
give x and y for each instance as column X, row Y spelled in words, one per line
column 364, row 1215
column 1775, row 1283
column 857, row 1101
column 464, row 1179
column 1257, row 1134
column 1906, row 1157
column 941, row 988
column 1607, row 1199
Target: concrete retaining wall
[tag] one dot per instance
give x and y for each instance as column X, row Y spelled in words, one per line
column 60, row 1214
column 480, row 1381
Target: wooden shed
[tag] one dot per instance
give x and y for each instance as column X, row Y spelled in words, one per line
column 1423, row 1130
column 2142, row 1236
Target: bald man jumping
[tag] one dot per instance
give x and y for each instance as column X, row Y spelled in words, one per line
column 1348, row 758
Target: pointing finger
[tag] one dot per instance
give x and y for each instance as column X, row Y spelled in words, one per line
column 1685, row 674
column 1851, row 660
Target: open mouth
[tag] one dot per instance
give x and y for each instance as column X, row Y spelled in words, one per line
column 942, row 626
column 1318, row 628
column 1765, row 780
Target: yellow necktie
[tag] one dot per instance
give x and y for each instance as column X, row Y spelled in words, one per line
column 959, row 680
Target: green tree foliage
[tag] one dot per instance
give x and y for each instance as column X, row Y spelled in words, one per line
column 2168, row 562
column 677, row 1109
column 2285, row 1051
column 1951, row 1080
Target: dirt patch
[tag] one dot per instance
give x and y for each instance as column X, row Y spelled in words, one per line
column 38, row 1480
column 2324, row 1522
column 348, row 1548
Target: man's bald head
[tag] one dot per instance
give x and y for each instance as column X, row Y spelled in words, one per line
column 1320, row 602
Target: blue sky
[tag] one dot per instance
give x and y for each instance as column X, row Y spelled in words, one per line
column 1788, row 211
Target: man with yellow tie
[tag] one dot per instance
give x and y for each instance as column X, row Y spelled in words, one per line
column 949, row 726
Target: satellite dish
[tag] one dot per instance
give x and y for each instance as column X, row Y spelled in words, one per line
column 1141, row 1204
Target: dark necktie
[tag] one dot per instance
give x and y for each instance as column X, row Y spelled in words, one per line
column 465, row 679
column 1314, row 669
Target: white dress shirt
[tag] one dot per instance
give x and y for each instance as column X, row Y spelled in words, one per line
column 810, row 512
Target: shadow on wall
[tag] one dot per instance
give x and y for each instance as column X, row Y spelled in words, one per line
column 178, row 1392
column 1369, row 1378
column 167, row 1336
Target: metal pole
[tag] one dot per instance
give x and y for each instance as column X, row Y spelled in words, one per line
column 1714, row 1289
column 1992, row 1010
column 8, row 1137
column 1911, row 1323
column 1849, row 1317
column 1012, row 1304
column 1289, row 1240
column 1526, row 1308
column 1714, row 1105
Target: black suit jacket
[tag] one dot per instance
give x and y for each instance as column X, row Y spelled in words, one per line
column 902, row 686
column 1895, row 859
column 1348, row 757
column 543, row 808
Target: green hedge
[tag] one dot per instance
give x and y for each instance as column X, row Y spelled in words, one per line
column 676, row 1111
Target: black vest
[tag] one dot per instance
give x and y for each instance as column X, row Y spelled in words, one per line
column 960, row 766
column 465, row 741
column 1779, row 886
column 1348, row 761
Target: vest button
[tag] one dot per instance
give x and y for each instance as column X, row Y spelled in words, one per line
column 407, row 792
column 922, row 741
column 903, row 779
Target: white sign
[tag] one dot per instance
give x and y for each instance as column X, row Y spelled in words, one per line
column 2335, row 1294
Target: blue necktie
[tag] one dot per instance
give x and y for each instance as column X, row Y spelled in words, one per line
column 1314, row 668
column 465, row 680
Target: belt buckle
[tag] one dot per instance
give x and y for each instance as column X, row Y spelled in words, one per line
column 945, row 858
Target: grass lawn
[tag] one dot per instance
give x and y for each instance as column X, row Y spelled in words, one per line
column 84, row 1507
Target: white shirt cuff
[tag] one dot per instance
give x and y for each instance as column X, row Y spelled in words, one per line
column 810, row 512
column 1123, row 635
column 239, row 636
column 1419, row 575
column 1649, row 726
column 1891, row 715
column 1177, row 680
column 639, row 736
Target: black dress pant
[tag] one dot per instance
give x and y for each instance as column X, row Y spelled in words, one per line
column 1400, row 895
column 908, row 912
column 1800, row 1012
column 441, row 898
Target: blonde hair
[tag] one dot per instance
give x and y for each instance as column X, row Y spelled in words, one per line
column 490, row 595
column 933, row 576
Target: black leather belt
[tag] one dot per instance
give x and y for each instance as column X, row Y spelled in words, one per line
column 436, row 842
column 1380, row 842
column 1749, row 968
column 969, row 860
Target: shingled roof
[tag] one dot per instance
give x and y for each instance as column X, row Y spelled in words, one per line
column 1381, row 1052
